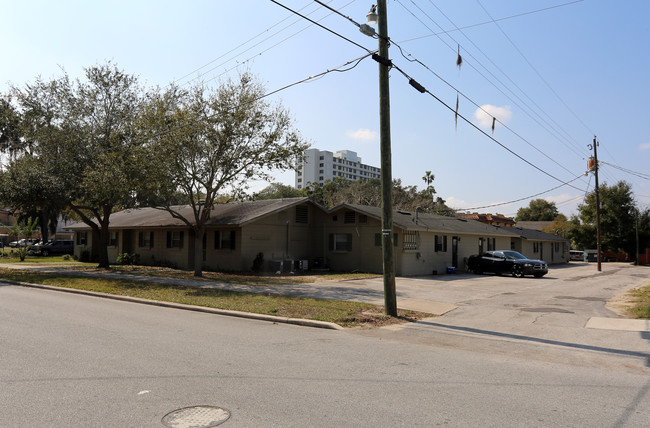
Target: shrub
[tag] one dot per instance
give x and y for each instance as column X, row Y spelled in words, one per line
column 128, row 259
column 85, row 256
column 258, row 263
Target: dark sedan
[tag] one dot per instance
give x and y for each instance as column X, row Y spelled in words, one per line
column 507, row 261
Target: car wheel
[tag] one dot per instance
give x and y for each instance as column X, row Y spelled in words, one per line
column 45, row 253
column 517, row 272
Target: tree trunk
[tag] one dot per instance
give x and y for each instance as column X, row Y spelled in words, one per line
column 198, row 251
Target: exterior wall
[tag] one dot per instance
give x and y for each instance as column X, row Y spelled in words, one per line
column 364, row 255
column 547, row 251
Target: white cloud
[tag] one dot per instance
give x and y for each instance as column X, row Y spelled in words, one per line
column 486, row 112
column 362, row 134
column 645, row 146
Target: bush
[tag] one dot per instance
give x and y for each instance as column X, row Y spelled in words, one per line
column 258, row 263
column 128, row 259
column 85, row 256
column 67, row 257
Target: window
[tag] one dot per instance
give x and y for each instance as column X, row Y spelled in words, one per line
column 145, row 239
column 321, row 165
column 480, row 245
column 113, row 239
column 363, row 218
column 322, row 157
column 82, row 238
column 350, row 217
column 340, row 242
column 224, row 240
column 320, row 178
column 535, row 247
column 440, row 244
column 175, row 239
column 491, row 244
column 335, row 218
column 302, row 212
column 411, row 240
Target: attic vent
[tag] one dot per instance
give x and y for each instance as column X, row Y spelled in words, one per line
column 302, row 214
column 350, row 217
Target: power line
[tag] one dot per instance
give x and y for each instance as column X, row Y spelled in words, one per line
column 536, row 72
column 523, row 199
column 629, row 171
column 422, row 89
column 322, row 26
column 490, row 22
column 545, row 126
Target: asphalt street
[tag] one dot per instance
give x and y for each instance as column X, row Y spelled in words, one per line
column 79, row 361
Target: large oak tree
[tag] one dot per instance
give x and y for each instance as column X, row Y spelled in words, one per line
column 205, row 142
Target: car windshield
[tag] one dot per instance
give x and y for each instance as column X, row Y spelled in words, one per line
column 514, row 255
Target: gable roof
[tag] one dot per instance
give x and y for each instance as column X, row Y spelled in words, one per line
column 430, row 222
column 536, row 235
column 230, row 214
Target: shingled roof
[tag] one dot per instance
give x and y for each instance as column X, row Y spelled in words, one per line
column 424, row 221
column 230, row 214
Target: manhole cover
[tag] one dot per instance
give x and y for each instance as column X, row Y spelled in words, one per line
column 196, row 417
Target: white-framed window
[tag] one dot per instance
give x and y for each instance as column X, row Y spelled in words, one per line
column 440, row 244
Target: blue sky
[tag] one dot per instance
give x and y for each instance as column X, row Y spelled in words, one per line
column 554, row 73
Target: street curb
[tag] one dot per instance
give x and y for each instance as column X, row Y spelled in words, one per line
column 226, row 312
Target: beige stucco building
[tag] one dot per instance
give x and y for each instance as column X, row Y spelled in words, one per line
column 298, row 233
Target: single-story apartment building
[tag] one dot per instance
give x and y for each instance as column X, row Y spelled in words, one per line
column 299, row 233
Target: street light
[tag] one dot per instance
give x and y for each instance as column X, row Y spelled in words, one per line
column 378, row 15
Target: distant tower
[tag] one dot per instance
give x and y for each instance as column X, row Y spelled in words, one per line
column 318, row 166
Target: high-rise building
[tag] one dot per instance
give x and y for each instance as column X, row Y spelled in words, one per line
column 318, row 166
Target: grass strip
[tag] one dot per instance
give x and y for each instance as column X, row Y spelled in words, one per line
column 344, row 313
column 640, row 300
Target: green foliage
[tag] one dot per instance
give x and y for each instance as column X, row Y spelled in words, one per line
column 26, row 230
column 77, row 147
column 619, row 218
column 128, row 259
column 538, row 210
column 340, row 191
column 277, row 191
column 205, row 141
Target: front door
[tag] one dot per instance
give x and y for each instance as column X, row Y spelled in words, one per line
column 454, row 251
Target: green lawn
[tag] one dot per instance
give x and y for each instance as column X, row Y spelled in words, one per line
column 346, row 314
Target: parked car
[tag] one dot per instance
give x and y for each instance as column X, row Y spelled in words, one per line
column 53, row 248
column 23, row 243
column 576, row 255
column 507, row 261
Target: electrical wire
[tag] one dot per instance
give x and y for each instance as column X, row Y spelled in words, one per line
column 484, row 133
column 629, row 171
column 339, row 68
column 322, row 26
column 545, row 126
column 523, row 199
column 490, row 22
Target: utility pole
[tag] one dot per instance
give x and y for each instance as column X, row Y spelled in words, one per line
column 598, row 257
column 390, row 295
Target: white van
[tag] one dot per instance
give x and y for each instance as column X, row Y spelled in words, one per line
column 576, row 255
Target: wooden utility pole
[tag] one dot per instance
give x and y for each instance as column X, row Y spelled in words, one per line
column 390, row 295
column 598, row 256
